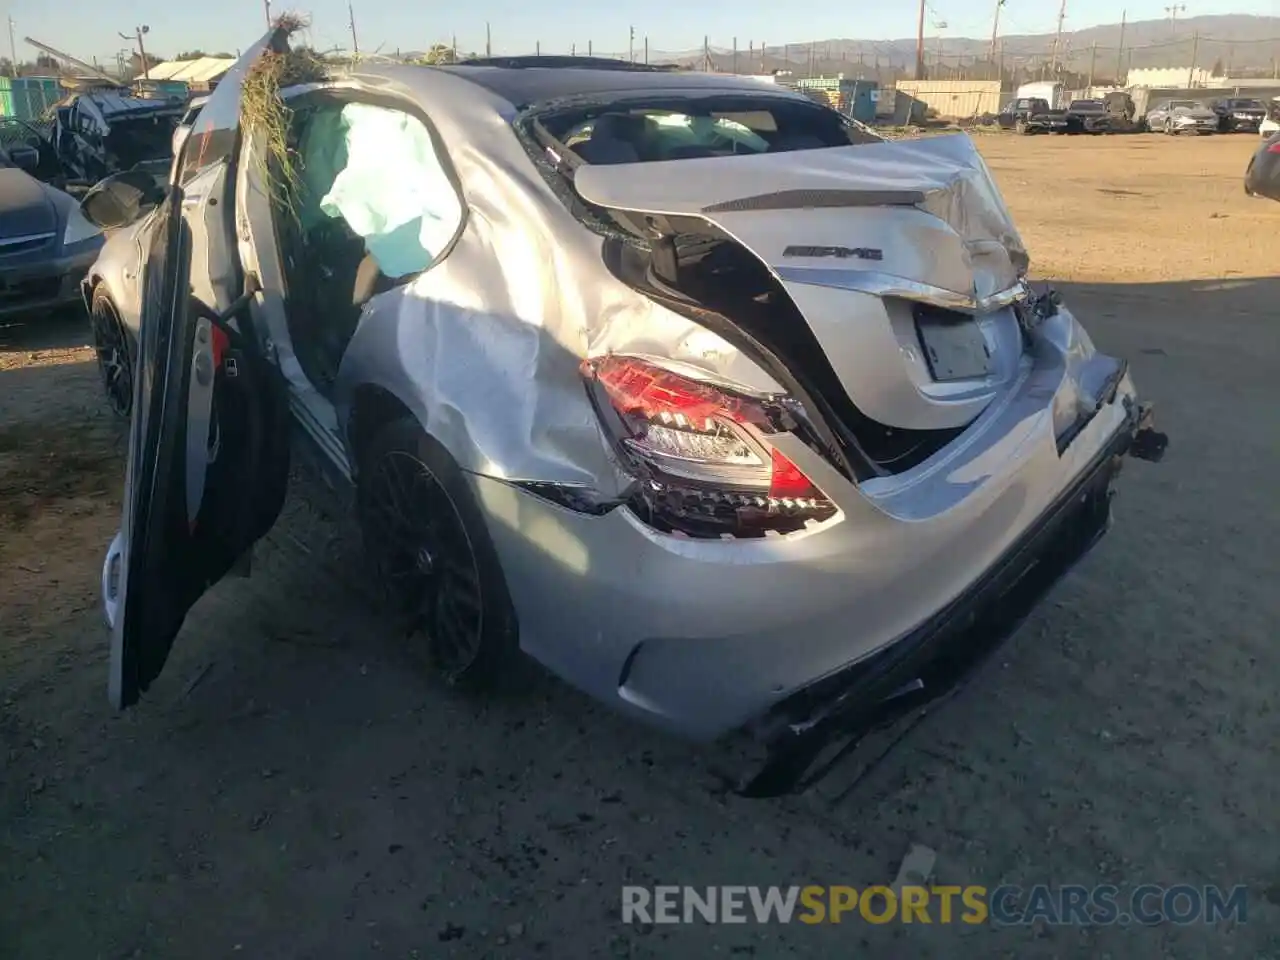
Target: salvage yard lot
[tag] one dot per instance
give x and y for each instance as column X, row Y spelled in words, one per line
column 294, row 787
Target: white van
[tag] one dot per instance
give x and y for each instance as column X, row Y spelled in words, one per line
column 1055, row 94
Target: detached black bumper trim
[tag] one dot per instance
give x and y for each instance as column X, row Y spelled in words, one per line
column 939, row 655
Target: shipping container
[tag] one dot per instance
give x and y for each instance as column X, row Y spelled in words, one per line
column 955, row 99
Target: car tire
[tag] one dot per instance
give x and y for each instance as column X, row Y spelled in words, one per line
column 115, row 351
column 434, row 558
column 1020, row 127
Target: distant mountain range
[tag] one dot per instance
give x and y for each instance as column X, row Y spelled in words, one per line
column 1235, row 43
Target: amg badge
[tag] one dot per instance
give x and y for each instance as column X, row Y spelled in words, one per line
column 841, row 253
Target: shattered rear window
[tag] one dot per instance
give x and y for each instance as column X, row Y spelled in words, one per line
column 669, row 128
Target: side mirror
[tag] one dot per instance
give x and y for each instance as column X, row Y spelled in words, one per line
column 121, row 199
column 25, row 157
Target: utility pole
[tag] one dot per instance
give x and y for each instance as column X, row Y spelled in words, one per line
column 735, row 55
column 488, row 40
column 706, row 54
column 786, row 56
column 1191, row 71
column 1173, row 12
column 266, row 9
column 1057, row 38
column 13, row 50
column 142, row 50
column 537, row 48
column 1093, row 59
column 1120, row 77
column 646, row 49
column 995, row 30
column 631, row 44
column 351, row 18
column 590, row 47
column 573, row 49
column 920, row 44
column 454, row 47
column 811, row 61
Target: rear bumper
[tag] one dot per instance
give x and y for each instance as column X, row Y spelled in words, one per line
column 936, row 657
column 45, row 285
column 706, row 637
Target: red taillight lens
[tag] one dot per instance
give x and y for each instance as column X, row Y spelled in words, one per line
column 788, row 480
column 692, row 437
column 1274, row 148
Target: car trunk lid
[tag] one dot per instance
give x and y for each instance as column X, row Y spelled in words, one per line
column 901, row 256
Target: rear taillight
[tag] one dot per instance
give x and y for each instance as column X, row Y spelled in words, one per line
column 702, row 452
column 1274, row 148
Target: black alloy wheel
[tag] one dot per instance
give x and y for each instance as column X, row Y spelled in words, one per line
column 115, row 358
column 432, row 556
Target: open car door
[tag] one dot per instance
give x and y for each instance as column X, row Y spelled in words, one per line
column 208, row 445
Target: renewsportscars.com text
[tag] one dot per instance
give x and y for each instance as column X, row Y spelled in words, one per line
column 1072, row 905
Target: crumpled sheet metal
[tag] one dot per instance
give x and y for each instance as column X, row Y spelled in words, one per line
column 488, row 343
column 947, row 171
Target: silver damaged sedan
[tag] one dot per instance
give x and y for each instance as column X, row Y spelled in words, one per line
column 730, row 413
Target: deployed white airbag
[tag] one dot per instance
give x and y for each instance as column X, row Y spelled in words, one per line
column 393, row 191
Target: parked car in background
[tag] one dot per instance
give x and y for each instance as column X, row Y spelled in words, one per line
column 46, row 243
column 1239, row 114
column 1032, row 115
column 1120, row 105
column 1088, row 116
column 1262, row 175
column 1271, row 123
column 607, row 387
column 1181, row 116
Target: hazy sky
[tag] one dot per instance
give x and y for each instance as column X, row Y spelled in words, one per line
column 91, row 29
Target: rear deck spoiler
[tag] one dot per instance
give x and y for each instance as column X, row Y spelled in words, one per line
column 933, row 193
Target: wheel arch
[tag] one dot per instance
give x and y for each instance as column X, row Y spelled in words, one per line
column 371, row 408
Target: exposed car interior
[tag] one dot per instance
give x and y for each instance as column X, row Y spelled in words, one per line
column 348, row 229
column 685, row 128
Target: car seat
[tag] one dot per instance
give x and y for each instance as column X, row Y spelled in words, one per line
column 615, row 138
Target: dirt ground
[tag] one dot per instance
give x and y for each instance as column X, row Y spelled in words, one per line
column 293, row 788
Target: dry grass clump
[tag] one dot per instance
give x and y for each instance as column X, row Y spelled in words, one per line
column 263, row 110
